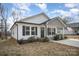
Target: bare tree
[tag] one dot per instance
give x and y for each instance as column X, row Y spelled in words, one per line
column 2, row 19
column 4, row 16
column 5, row 21
column 66, row 20
column 15, row 16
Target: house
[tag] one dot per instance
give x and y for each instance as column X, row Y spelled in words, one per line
column 38, row 25
column 2, row 28
column 75, row 27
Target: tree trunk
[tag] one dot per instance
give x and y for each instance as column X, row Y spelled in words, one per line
column 5, row 30
column 2, row 29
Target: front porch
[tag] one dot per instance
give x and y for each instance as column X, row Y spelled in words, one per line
column 50, row 32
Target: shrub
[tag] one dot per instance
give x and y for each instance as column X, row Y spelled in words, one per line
column 65, row 37
column 20, row 41
column 38, row 39
column 45, row 39
column 58, row 37
column 31, row 39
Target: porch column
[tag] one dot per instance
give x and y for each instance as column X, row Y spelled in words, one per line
column 63, row 32
column 55, row 30
column 30, row 31
column 45, row 32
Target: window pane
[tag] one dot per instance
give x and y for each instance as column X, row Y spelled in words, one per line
column 53, row 31
column 27, row 28
column 27, row 32
column 33, row 33
column 59, row 30
column 49, row 31
column 34, row 30
column 23, row 30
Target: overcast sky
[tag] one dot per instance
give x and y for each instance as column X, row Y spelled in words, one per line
column 51, row 9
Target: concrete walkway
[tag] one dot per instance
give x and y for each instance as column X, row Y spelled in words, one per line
column 70, row 42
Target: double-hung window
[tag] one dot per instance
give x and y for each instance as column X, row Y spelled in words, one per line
column 33, row 30
column 49, row 31
column 59, row 30
column 53, row 31
column 26, row 30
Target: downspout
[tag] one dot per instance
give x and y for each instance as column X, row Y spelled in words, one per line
column 17, row 32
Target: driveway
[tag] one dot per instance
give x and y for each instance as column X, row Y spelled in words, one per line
column 70, row 42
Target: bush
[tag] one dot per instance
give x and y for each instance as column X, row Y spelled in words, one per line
column 38, row 39
column 65, row 37
column 31, row 39
column 45, row 39
column 58, row 37
column 20, row 41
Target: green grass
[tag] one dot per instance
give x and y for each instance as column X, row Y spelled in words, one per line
column 11, row 48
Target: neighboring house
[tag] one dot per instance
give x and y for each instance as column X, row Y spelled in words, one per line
column 39, row 26
column 75, row 27
column 2, row 28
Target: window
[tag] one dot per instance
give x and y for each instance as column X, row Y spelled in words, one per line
column 49, row 31
column 33, row 30
column 53, row 31
column 59, row 30
column 26, row 30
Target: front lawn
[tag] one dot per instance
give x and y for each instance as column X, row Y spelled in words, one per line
column 10, row 47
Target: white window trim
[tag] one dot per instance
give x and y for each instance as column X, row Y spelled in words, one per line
column 27, row 30
column 33, row 31
column 51, row 30
column 59, row 33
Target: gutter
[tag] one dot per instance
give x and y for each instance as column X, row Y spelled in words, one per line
column 17, row 31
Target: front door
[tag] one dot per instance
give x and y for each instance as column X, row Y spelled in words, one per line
column 42, row 32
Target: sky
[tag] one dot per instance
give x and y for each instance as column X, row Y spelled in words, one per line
column 50, row 9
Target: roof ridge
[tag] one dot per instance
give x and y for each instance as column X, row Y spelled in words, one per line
column 34, row 16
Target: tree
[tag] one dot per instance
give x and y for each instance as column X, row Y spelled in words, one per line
column 3, row 16
column 15, row 15
column 66, row 20
column 2, row 19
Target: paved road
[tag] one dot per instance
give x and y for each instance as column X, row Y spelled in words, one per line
column 70, row 42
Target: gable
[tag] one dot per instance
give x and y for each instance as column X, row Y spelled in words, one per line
column 38, row 19
column 55, row 22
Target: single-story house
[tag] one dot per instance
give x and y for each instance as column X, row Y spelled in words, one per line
column 75, row 27
column 38, row 25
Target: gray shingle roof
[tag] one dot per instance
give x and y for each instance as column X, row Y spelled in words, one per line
column 73, row 25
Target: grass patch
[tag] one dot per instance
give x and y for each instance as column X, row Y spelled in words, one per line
column 11, row 47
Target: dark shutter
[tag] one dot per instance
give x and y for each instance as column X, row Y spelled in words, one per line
column 54, row 31
column 23, row 30
column 36, row 30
